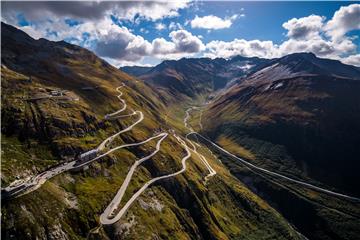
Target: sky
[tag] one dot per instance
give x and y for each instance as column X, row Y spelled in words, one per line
column 146, row 33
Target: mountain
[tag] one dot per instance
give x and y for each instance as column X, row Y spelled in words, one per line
column 306, row 107
column 188, row 77
column 135, row 70
column 297, row 116
column 60, row 105
column 301, row 64
column 191, row 77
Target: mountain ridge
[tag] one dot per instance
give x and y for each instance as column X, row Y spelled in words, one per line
column 191, row 77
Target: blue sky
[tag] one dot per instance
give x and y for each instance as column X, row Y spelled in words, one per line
column 138, row 33
column 262, row 20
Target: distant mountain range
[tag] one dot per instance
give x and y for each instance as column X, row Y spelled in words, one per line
column 194, row 76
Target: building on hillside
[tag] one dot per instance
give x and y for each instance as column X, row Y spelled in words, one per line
column 57, row 93
column 87, row 156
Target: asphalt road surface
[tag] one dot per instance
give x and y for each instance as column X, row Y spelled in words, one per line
column 108, row 216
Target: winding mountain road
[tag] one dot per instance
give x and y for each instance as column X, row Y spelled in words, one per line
column 186, row 118
column 116, row 115
column 36, row 182
column 212, row 172
column 109, row 211
column 108, row 141
column 109, row 216
column 107, row 116
column 106, row 217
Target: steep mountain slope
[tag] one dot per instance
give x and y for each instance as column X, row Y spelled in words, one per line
column 306, row 104
column 55, row 97
column 297, row 116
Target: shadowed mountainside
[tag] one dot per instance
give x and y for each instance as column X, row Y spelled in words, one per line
column 307, row 105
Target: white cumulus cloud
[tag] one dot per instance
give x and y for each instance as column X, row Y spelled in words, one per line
column 151, row 10
column 212, row 22
column 344, row 20
column 241, row 47
column 306, row 27
column 352, row 60
column 307, row 34
column 186, row 42
column 120, row 44
column 160, row 26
